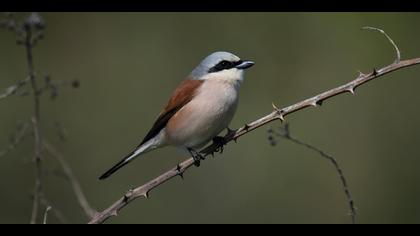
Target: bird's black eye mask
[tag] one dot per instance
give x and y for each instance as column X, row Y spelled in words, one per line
column 224, row 65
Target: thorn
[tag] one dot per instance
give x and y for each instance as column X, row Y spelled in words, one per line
column 246, row 127
column 361, row 74
column 351, row 90
column 319, row 102
column 180, row 173
column 313, row 104
column 178, row 168
column 374, row 72
column 114, row 213
column 146, row 194
column 274, row 106
column 230, row 131
column 128, row 195
column 279, row 111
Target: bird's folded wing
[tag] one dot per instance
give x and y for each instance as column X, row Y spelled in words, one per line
column 184, row 93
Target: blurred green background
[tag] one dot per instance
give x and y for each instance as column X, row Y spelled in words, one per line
column 129, row 63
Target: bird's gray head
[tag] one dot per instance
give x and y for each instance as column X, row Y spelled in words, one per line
column 220, row 62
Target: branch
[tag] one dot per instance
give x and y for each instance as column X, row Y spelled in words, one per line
column 284, row 132
column 16, row 139
column 389, row 39
column 12, row 90
column 60, row 217
column 277, row 114
column 46, row 214
column 28, row 32
column 84, row 204
column 30, row 22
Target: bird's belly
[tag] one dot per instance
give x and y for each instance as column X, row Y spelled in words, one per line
column 201, row 119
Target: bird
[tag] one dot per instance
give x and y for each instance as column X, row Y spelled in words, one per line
column 201, row 107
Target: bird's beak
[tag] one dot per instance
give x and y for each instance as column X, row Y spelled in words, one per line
column 245, row 65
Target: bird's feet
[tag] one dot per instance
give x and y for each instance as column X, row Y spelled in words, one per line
column 220, row 142
column 196, row 156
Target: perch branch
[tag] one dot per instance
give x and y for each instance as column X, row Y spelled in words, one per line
column 277, row 114
column 81, row 198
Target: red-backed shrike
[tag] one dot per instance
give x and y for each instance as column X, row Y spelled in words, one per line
column 199, row 109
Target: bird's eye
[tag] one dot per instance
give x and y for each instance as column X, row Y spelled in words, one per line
column 223, row 65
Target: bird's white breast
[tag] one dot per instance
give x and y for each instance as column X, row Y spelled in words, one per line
column 206, row 115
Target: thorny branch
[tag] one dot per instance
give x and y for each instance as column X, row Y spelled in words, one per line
column 284, row 132
column 277, row 114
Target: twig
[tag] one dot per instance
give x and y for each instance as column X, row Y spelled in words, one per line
column 35, row 204
column 389, row 39
column 285, row 133
column 12, row 90
column 81, row 198
column 57, row 213
column 46, row 214
column 21, row 133
column 277, row 114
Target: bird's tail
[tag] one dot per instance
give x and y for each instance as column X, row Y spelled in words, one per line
column 138, row 151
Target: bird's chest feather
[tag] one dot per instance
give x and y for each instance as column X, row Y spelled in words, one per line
column 206, row 115
column 216, row 99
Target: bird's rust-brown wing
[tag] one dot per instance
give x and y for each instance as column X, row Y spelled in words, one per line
column 185, row 91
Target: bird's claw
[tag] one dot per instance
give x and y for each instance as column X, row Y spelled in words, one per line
column 196, row 156
column 220, row 142
column 197, row 161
